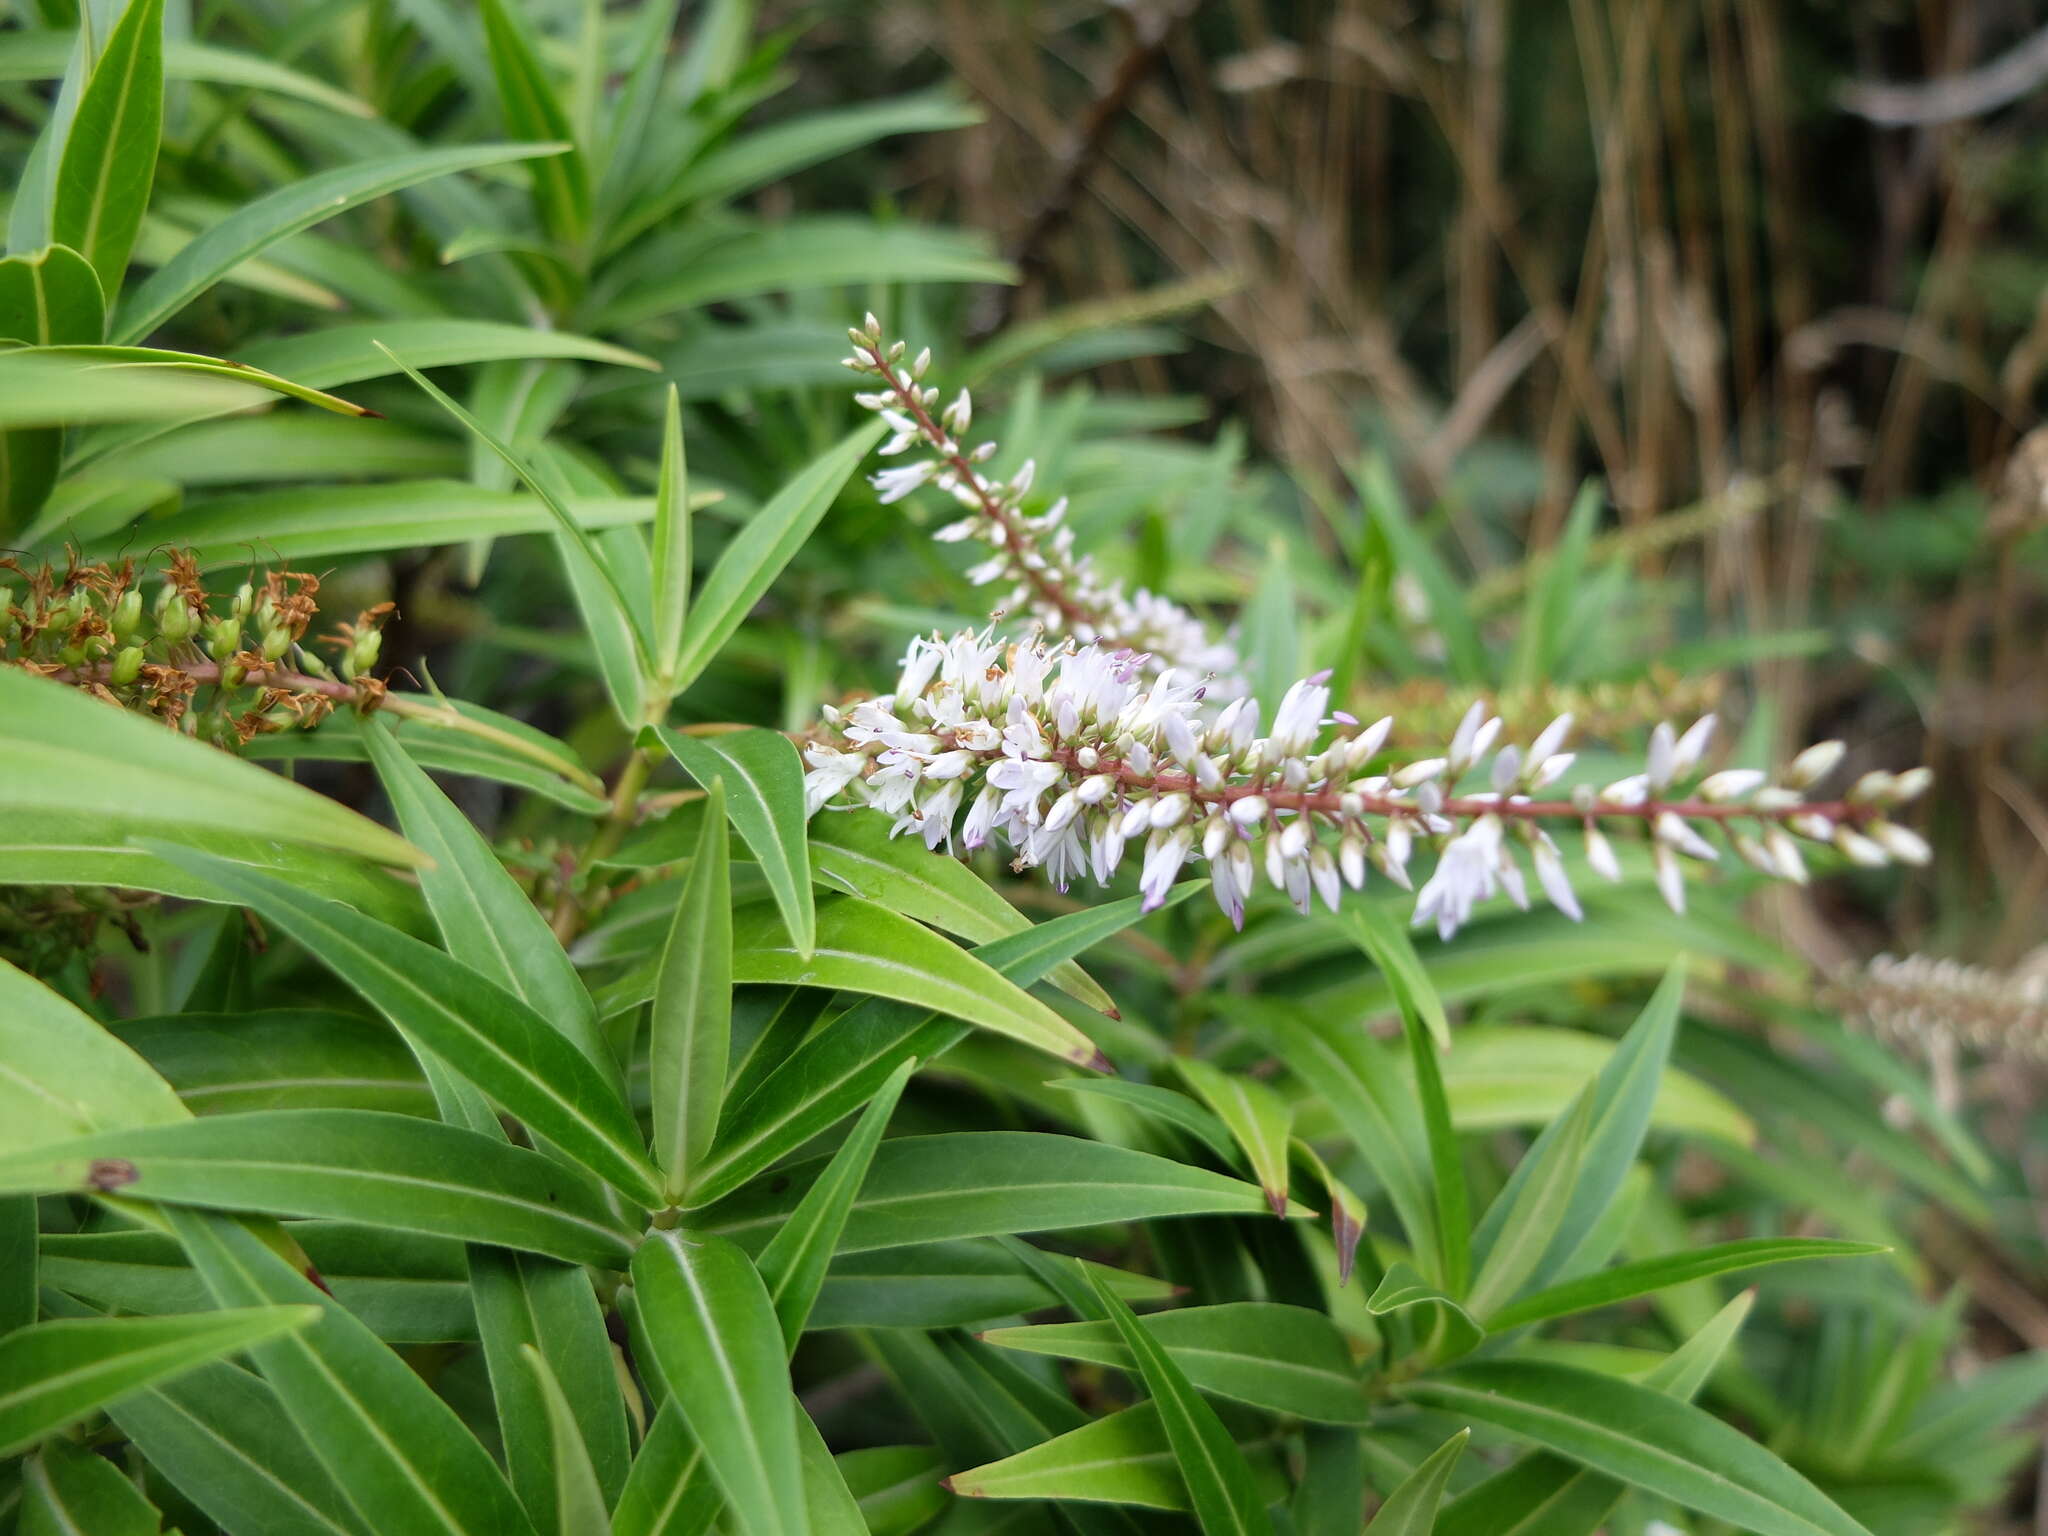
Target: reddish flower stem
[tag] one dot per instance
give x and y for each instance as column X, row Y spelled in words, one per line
column 1015, row 536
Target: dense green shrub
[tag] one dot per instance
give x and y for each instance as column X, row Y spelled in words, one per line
column 469, row 1070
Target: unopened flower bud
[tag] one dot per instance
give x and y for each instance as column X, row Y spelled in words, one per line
column 1814, row 764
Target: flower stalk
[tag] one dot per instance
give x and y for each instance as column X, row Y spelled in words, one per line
column 1034, row 553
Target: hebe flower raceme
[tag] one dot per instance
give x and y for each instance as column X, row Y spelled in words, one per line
column 1035, row 554
column 1073, row 756
column 1102, row 733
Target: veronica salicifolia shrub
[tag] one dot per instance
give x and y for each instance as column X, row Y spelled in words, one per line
column 583, row 1106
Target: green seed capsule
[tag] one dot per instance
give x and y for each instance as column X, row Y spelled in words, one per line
column 224, row 639
column 127, row 666
column 127, row 616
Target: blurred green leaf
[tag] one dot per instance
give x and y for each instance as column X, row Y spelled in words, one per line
column 760, row 550
column 1258, row 1118
column 1410, row 1510
column 1641, row 1437
column 260, row 224
column 103, row 181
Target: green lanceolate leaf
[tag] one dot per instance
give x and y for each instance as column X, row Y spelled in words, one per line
column 1283, row 1359
column 864, row 948
column 761, row 549
column 348, row 354
column 713, row 1327
column 832, row 1074
column 828, row 1501
column 1542, row 1494
column 576, row 543
column 49, row 298
column 858, row 855
column 53, row 1374
column 523, row 1301
column 67, row 1489
column 794, row 1263
column 690, row 1024
column 1624, row 1096
column 561, row 183
column 1166, row 1105
column 1643, row 1276
column 1531, row 1221
column 1450, row 1330
column 1411, row 1508
column 109, row 159
column 669, row 1491
column 671, row 543
column 344, row 1164
column 219, row 1434
column 764, row 789
column 403, row 1458
column 482, row 1031
column 896, row 1486
column 1641, row 1437
column 62, row 1075
column 310, row 524
column 486, row 920
column 257, row 226
column 579, row 1501
column 62, row 752
column 1258, row 1118
column 1219, row 1480
column 1358, row 1079
column 977, row 1184
column 1124, row 1458
column 129, row 361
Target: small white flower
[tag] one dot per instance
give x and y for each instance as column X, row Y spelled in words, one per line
column 1691, row 747
column 1663, row 759
column 1165, row 852
column 1858, row 849
column 894, row 484
column 1670, row 876
column 1730, row 784
column 1600, row 855
column 1814, row 764
column 1551, row 875
column 1249, row 811
column 1902, row 843
column 1550, row 739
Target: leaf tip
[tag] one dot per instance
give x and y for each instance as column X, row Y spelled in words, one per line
column 1097, row 1062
